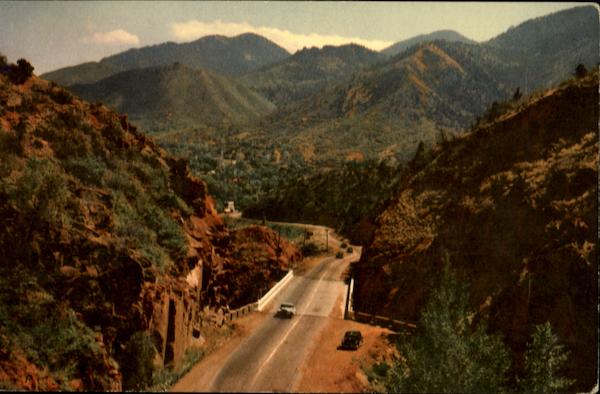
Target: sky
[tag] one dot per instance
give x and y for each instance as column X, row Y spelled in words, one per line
column 55, row 34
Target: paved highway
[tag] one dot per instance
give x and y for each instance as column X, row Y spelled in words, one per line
column 272, row 356
column 269, row 360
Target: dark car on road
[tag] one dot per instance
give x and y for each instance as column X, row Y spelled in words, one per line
column 286, row 310
column 352, row 340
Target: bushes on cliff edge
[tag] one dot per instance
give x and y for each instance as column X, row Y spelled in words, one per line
column 20, row 72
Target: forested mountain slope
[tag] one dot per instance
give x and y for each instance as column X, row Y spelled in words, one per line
column 176, row 97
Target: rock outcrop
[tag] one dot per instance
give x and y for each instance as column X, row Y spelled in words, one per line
column 105, row 235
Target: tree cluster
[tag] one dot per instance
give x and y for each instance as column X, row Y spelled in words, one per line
column 17, row 73
column 449, row 353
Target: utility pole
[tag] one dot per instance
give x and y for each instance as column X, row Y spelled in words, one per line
column 327, row 240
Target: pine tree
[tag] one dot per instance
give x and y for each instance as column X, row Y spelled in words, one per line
column 580, row 71
column 543, row 360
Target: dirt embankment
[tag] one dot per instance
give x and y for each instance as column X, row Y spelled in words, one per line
column 331, row 370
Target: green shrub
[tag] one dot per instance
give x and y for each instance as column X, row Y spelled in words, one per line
column 142, row 226
column 286, row 231
column 61, row 96
column 88, row 169
column 544, row 358
column 309, row 249
column 137, row 362
column 41, row 192
column 165, row 378
column 170, row 199
column 119, row 181
column 48, row 334
column 20, row 72
column 449, row 354
column 169, row 233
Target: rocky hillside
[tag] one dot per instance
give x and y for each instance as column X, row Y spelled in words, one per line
column 308, row 71
column 447, row 35
column 225, row 55
column 513, row 207
column 176, row 97
column 107, row 239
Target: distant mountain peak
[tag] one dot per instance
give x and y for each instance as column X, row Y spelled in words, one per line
column 448, row 35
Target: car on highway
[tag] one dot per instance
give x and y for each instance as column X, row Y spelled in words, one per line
column 286, row 310
column 352, row 340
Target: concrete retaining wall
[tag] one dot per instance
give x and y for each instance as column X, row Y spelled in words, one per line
column 237, row 313
column 258, row 305
column 274, row 290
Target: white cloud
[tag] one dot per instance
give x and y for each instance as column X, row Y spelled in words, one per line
column 118, row 36
column 193, row 29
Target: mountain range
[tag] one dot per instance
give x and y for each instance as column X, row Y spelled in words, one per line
column 434, row 87
column 225, row 55
column 325, row 106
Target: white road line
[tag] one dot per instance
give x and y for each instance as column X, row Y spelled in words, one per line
column 264, row 363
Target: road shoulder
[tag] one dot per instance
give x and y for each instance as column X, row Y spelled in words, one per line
column 200, row 377
column 329, row 370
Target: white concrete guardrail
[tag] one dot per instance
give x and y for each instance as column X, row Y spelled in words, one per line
column 258, row 305
column 274, row 290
